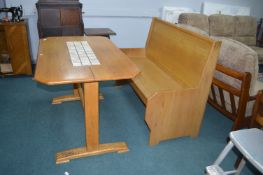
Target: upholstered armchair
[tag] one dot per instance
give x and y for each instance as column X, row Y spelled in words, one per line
column 235, row 82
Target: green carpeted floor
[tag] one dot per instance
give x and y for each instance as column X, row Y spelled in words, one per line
column 32, row 131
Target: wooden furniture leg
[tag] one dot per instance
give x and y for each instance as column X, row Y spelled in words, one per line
column 73, row 97
column 91, row 111
column 77, row 90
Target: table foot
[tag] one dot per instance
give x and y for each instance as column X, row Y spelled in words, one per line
column 66, row 156
column 59, row 100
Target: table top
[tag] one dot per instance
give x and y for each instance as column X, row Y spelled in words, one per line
column 98, row 32
column 54, row 65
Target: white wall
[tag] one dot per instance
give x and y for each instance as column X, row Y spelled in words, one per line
column 2, row 4
column 130, row 19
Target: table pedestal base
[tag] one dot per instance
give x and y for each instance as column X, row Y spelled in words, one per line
column 66, row 156
column 65, row 98
column 59, row 100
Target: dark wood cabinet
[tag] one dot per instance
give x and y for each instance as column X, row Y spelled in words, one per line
column 59, row 18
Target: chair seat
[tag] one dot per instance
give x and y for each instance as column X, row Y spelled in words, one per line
column 249, row 142
column 259, row 51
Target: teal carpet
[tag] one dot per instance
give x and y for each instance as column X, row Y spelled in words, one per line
column 32, row 131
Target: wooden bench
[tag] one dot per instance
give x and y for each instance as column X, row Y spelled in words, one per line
column 176, row 66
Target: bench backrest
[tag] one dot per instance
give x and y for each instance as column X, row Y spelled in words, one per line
column 179, row 52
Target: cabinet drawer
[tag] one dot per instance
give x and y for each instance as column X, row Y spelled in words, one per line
column 55, row 31
column 50, row 17
column 70, row 16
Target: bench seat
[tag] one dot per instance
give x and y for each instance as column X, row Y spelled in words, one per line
column 152, row 79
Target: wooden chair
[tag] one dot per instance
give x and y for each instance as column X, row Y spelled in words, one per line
column 237, row 113
column 257, row 117
column 235, row 84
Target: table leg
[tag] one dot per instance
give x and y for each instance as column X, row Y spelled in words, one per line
column 91, row 111
column 73, row 97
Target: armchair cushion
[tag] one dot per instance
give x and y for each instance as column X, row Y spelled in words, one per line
column 259, row 51
column 239, row 57
column 221, row 25
column 245, row 30
column 258, row 86
column 194, row 19
column 193, row 29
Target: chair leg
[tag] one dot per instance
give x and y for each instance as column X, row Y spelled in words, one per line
column 240, row 166
column 223, row 154
column 239, row 158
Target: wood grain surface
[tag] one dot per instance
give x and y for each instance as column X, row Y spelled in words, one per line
column 177, row 66
column 54, row 65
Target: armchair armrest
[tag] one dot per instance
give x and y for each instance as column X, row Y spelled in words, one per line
column 223, row 96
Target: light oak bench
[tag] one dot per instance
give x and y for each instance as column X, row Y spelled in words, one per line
column 176, row 66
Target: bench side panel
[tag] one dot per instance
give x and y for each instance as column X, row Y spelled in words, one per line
column 178, row 113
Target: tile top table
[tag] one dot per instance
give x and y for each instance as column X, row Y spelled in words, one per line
column 54, row 66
